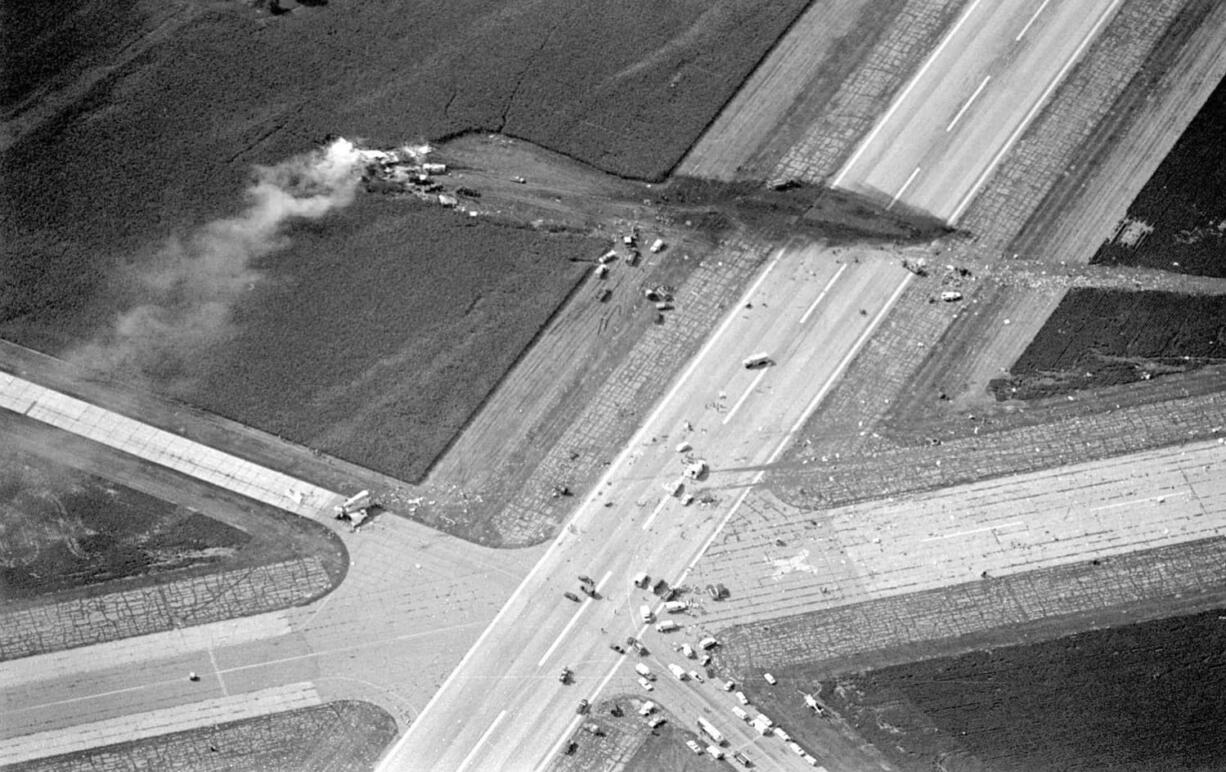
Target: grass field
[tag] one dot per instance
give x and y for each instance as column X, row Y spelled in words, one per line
column 1141, row 697
column 1104, row 337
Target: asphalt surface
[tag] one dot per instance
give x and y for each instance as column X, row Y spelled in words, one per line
column 970, row 101
column 504, row 706
column 505, row 701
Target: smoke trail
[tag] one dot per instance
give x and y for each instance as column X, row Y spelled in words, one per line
column 184, row 298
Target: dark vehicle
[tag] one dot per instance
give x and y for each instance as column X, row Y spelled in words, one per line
column 571, row 748
column 588, row 591
column 672, row 594
column 741, row 757
column 717, row 591
column 660, row 587
column 586, row 580
column 565, row 675
column 637, row 645
column 617, row 647
column 583, row 708
column 571, row 596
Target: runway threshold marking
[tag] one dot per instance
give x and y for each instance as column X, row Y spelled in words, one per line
column 1033, row 18
column 976, row 530
column 813, row 306
column 1042, row 100
column 903, row 189
column 634, row 443
column 967, row 104
column 656, row 511
column 477, row 745
column 582, row 607
column 903, row 95
column 757, row 379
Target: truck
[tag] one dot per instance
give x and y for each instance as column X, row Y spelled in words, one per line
column 645, row 613
column 710, row 731
column 667, row 626
column 740, row 713
column 677, row 671
column 708, row 643
column 641, row 580
column 644, row 671
column 687, row 651
column 676, row 606
column 715, row 752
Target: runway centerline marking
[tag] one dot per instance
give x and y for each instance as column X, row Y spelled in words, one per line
column 973, row 531
column 656, row 511
column 903, row 189
column 485, row 736
column 582, row 607
column 757, row 379
column 1021, row 127
column 829, row 284
column 1160, row 498
column 903, row 96
column 1035, row 16
column 967, row 104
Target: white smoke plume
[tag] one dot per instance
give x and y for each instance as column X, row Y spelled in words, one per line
column 183, row 298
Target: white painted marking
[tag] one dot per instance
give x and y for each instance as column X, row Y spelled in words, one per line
column 656, row 511
column 477, row 746
column 967, row 104
column 582, row 607
column 1033, row 18
column 974, row 531
column 1131, row 502
column 757, row 379
column 813, row 306
column 903, row 189
column 970, row 194
column 903, row 96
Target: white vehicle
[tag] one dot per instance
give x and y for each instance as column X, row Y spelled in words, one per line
column 799, row 751
column 715, row 752
column 641, row 579
column 770, row 679
column 706, row 660
column 707, row 643
column 696, row 676
column 782, row 735
column 434, row 168
column 643, row 682
column 729, row 685
column 647, row 708
column 709, row 729
column 693, row 746
column 674, row 488
column 758, row 361
column 656, row 246
column 687, row 650
column 741, row 698
column 740, row 712
column 761, row 726
column 645, row 613
column 678, row 671
column 696, row 470
column 765, row 719
column 676, row 606
column 684, row 447
column 667, row 626
column 655, row 721
column 951, row 296
column 644, row 671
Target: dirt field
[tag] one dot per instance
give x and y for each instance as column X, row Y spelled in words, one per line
column 1134, row 698
column 63, row 529
column 344, row 735
column 71, row 529
column 1102, row 338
